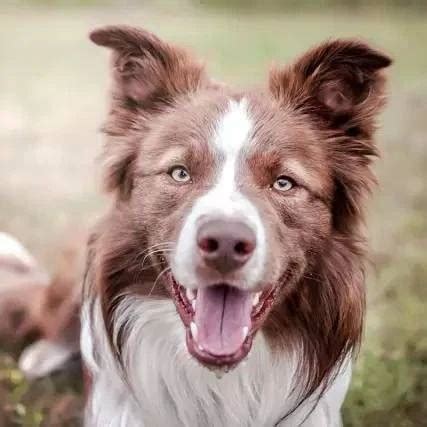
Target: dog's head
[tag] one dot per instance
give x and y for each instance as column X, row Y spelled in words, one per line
column 242, row 207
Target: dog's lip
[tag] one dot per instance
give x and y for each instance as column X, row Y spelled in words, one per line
column 226, row 361
column 185, row 308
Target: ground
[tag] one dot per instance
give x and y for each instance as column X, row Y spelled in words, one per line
column 53, row 97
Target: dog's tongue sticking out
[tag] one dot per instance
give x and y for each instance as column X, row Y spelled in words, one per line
column 223, row 318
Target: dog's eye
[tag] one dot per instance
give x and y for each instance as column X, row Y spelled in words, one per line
column 284, row 183
column 180, row 174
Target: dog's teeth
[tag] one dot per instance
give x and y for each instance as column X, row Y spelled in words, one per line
column 190, row 294
column 201, row 348
column 245, row 331
column 193, row 329
column 193, row 304
column 255, row 301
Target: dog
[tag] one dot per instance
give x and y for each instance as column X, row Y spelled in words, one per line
column 53, row 318
column 40, row 314
column 22, row 281
column 225, row 285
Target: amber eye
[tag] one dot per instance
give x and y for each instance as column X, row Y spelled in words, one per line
column 283, row 183
column 180, row 174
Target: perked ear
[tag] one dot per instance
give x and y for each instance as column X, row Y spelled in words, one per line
column 148, row 75
column 339, row 81
column 147, row 70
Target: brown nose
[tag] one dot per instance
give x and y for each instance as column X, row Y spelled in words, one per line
column 225, row 245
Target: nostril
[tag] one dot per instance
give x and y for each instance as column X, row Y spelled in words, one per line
column 244, row 248
column 209, row 245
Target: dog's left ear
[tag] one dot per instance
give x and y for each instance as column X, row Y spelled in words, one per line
column 146, row 70
column 339, row 82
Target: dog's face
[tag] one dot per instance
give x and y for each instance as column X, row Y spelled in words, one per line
column 236, row 197
column 240, row 190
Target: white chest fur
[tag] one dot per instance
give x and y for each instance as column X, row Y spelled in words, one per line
column 167, row 387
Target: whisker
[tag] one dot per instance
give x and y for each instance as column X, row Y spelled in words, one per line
column 157, row 279
column 147, row 252
column 150, row 266
column 155, row 246
column 153, row 253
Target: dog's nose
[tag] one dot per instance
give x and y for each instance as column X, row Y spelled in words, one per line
column 225, row 245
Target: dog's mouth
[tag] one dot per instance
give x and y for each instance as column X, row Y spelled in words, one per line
column 221, row 320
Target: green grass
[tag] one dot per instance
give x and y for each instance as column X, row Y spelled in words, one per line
column 53, row 92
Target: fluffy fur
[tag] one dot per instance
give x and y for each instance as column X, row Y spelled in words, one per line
column 314, row 123
column 165, row 386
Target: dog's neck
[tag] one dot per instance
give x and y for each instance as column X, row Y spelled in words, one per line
column 165, row 386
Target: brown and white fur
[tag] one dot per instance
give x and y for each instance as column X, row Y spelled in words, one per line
column 281, row 172
column 41, row 314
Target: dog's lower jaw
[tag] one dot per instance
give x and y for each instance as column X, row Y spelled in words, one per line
column 168, row 387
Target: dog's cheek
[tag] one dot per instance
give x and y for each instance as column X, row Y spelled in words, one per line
column 153, row 199
column 318, row 226
column 159, row 208
column 313, row 236
column 299, row 231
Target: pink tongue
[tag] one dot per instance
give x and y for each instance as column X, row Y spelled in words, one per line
column 221, row 314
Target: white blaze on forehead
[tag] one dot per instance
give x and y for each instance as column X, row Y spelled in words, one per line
column 231, row 136
column 224, row 200
column 233, row 129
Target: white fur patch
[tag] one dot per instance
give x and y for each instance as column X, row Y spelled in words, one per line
column 167, row 387
column 19, row 270
column 10, row 247
column 44, row 357
column 234, row 127
column 224, row 200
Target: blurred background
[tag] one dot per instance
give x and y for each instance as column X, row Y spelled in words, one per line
column 53, row 92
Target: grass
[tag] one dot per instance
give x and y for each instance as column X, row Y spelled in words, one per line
column 53, row 91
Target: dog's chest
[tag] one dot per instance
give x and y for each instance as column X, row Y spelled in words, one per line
column 170, row 388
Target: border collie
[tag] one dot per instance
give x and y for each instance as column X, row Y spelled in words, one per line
column 225, row 285
column 41, row 313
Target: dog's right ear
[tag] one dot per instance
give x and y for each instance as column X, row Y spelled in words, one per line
column 147, row 71
column 148, row 75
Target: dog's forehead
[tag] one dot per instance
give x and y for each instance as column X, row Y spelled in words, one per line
column 256, row 128
column 233, row 128
column 252, row 124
